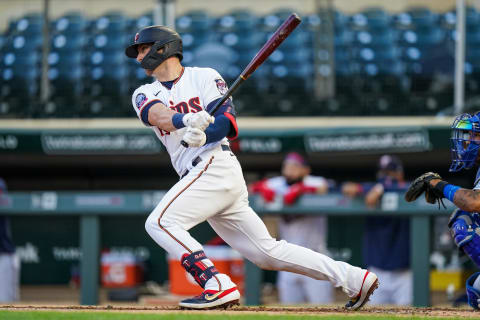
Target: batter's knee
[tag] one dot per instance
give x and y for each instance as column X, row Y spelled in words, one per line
column 150, row 224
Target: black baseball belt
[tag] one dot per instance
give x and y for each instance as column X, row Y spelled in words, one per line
column 197, row 160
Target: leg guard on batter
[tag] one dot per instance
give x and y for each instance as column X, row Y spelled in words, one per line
column 200, row 270
column 472, row 293
column 466, row 234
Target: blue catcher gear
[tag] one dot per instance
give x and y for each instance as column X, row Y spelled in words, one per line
column 465, row 230
column 472, row 293
column 464, row 146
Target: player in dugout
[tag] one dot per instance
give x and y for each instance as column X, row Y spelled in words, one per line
column 9, row 260
column 386, row 243
column 306, row 231
column 211, row 186
column 464, row 222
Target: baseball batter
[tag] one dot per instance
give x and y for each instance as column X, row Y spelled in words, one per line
column 211, row 185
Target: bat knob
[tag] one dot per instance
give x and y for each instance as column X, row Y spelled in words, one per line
column 183, row 143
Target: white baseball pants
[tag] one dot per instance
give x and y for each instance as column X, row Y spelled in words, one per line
column 9, row 277
column 215, row 190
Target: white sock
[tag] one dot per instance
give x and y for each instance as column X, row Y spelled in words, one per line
column 212, row 283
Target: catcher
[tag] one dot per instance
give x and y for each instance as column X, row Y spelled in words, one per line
column 464, row 222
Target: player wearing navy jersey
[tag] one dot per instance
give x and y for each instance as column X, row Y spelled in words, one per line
column 386, row 240
column 464, row 222
column 211, row 186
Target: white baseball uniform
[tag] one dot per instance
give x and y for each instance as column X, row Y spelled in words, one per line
column 309, row 232
column 214, row 190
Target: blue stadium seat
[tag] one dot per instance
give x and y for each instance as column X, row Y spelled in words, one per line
column 70, row 23
column 69, row 42
column 19, row 85
column 143, row 21
column 270, row 22
column 193, row 21
column 30, row 24
column 416, row 18
column 385, row 37
column 23, row 44
column 192, row 40
column 112, row 22
column 236, row 21
column 371, row 19
column 217, row 56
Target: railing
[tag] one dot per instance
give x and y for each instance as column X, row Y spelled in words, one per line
column 88, row 206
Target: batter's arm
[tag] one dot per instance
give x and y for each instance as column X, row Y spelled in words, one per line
column 162, row 117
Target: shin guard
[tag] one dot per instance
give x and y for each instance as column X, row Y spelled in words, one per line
column 199, row 270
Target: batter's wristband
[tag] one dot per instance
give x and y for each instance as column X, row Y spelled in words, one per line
column 438, row 189
column 449, row 191
column 177, row 120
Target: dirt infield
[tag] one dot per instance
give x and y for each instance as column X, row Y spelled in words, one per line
column 407, row 312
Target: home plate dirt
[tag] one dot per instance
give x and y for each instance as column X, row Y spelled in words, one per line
column 423, row 312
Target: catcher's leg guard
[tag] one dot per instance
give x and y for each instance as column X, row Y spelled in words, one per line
column 472, row 293
column 466, row 234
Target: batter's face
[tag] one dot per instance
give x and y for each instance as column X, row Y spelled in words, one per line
column 294, row 172
column 143, row 50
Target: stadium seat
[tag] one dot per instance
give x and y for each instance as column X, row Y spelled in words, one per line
column 197, row 21
column 111, row 23
column 217, row 56
column 70, row 23
column 236, row 21
column 370, row 19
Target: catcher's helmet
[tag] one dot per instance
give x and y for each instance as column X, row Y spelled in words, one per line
column 465, row 146
column 158, row 36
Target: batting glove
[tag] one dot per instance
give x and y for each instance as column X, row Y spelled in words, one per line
column 200, row 120
column 194, row 137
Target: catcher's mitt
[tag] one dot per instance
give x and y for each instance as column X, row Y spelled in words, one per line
column 420, row 185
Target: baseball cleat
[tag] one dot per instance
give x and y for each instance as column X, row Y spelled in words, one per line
column 211, row 299
column 370, row 283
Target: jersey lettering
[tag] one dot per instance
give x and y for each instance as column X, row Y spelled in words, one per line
column 163, row 132
column 194, row 103
column 182, row 107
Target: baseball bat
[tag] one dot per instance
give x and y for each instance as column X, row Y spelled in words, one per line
column 275, row 40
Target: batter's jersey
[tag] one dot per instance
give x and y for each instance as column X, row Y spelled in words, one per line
column 192, row 91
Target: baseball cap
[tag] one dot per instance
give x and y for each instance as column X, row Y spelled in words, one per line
column 389, row 162
column 295, row 157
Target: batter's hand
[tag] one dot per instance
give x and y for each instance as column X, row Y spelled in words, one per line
column 194, row 137
column 200, row 120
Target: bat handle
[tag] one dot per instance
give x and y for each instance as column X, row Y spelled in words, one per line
column 183, row 143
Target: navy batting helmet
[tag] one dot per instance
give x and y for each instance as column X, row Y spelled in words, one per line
column 159, row 37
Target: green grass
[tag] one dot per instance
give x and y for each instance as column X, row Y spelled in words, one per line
column 82, row 315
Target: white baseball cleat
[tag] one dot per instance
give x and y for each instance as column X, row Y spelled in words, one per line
column 369, row 284
column 210, row 299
